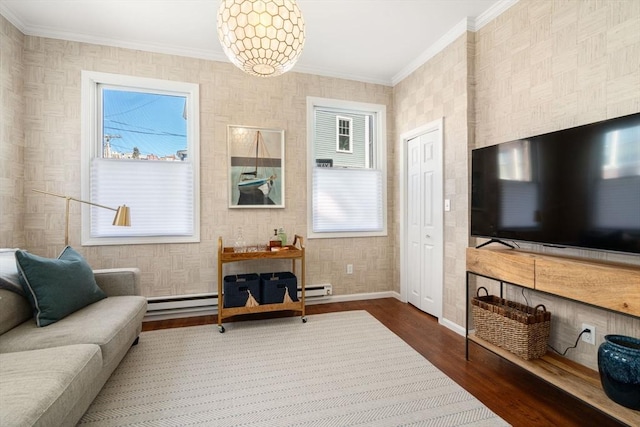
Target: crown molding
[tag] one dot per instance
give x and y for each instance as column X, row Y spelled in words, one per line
column 134, row 45
column 444, row 41
column 467, row 24
column 11, row 17
column 492, row 13
column 317, row 71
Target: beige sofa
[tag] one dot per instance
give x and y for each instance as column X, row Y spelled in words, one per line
column 50, row 375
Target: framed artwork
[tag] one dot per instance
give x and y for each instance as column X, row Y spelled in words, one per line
column 256, row 167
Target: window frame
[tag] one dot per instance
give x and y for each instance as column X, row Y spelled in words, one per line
column 349, row 135
column 379, row 111
column 91, row 147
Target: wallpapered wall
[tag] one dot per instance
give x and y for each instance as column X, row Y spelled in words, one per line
column 539, row 67
column 11, row 136
column 227, row 96
column 544, row 66
column 440, row 89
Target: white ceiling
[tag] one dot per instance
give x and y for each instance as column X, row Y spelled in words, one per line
column 377, row 41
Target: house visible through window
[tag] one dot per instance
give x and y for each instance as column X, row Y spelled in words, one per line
column 141, row 149
column 344, row 134
column 347, row 169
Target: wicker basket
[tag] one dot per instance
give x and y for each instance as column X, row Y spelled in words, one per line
column 518, row 328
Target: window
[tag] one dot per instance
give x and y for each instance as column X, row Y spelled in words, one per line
column 514, row 161
column 621, row 153
column 343, row 138
column 517, row 183
column 616, row 193
column 346, row 179
column 140, row 148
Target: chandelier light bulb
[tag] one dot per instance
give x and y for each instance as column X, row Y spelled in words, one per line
column 261, row 37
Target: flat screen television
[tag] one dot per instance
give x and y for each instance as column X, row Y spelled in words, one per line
column 577, row 187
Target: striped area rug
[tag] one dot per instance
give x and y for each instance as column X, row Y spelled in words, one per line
column 338, row 369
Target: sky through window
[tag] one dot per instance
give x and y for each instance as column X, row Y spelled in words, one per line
column 154, row 124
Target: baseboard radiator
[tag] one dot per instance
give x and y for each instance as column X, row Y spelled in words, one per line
column 159, row 308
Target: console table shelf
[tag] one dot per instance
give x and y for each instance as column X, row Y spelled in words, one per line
column 611, row 286
column 294, row 252
column 569, row 376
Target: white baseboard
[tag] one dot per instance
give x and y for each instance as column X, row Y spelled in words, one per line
column 354, row 297
column 213, row 310
column 460, row 330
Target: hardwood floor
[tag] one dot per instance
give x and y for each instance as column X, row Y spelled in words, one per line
column 517, row 396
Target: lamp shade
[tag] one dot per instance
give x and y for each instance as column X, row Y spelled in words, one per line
column 123, row 217
column 261, row 37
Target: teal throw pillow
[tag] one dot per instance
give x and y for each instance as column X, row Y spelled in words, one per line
column 57, row 287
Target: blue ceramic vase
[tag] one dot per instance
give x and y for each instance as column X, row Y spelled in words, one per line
column 619, row 366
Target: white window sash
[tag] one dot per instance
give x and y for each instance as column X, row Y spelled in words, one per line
column 173, row 205
column 349, row 188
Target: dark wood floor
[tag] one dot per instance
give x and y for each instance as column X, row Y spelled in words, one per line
column 517, row 396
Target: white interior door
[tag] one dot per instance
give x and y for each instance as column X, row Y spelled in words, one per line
column 424, row 222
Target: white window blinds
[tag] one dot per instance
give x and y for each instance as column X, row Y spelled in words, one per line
column 159, row 193
column 347, row 200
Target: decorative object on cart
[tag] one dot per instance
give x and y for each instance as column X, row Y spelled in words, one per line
column 121, row 219
column 256, row 167
column 619, row 367
column 275, row 241
column 279, row 287
column 241, row 290
column 518, row 328
column 262, row 38
column 251, row 301
column 283, row 236
column 240, row 245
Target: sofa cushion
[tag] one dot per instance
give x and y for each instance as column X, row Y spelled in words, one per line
column 39, row 387
column 111, row 323
column 57, row 287
column 14, row 309
column 9, row 278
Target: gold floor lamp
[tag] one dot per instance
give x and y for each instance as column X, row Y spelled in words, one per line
column 122, row 218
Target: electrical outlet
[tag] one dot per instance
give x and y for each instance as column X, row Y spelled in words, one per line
column 349, row 268
column 589, row 337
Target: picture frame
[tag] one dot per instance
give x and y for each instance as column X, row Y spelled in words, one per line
column 256, row 167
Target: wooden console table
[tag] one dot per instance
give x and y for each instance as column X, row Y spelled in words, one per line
column 611, row 286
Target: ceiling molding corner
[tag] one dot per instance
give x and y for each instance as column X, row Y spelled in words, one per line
column 467, row 24
column 12, row 18
column 444, row 41
column 492, row 13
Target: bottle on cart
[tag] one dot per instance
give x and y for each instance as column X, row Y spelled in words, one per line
column 283, row 236
column 275, row 241
column 240, row 245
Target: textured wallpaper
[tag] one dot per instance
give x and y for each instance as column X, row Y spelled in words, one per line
column 539, row 67
column 549, row 65
column 52, row 145
column 11, row 136
column 440, row 89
